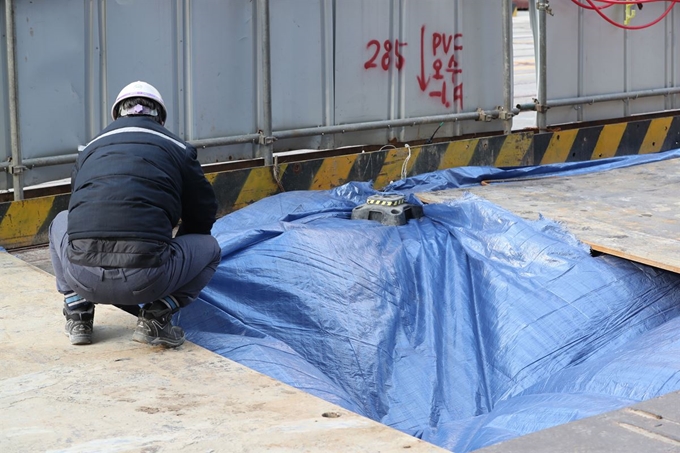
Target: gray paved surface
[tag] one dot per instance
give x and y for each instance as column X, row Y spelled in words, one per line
column 117, row 395
column 649, row 427
column 37, row 256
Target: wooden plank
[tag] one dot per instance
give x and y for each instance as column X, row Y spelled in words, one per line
column 633, row 212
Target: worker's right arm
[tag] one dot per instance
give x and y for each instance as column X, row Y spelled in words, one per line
column 199, row 205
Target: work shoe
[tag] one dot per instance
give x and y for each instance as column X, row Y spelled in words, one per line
column 79, row 324
column 155, row 327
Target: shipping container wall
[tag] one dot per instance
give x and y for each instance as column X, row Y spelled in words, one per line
column 399, row 59
column 332, row 62
column 588, row 56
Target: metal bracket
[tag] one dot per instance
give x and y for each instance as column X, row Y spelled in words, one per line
column 540, row 108
column 483, row 116
column 546, row 6
column 504, row 114
column 16, row 169
column 264, row 140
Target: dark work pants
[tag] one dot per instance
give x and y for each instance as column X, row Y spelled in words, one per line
column 192, row 263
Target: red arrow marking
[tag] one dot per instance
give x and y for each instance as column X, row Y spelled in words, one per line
column 421, row 78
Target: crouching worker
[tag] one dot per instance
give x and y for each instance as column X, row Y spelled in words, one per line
column 130, row 187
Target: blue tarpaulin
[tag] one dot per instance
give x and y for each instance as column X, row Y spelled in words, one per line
column 466, row 327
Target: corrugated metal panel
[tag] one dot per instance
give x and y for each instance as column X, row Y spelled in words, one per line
column 300, row 73
column 333, row 62
column 399, row 59
column 588, row 56
column 50, row 57
column 222, row 74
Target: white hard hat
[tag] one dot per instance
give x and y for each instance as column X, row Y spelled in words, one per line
column 139, row 89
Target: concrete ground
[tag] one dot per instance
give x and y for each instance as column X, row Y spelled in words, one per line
column 36, row 256
column 116, row 395
column 651, row 427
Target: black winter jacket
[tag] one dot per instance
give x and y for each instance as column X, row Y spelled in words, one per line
column 130, row 187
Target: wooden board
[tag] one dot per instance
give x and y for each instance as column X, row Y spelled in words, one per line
column 633, row 212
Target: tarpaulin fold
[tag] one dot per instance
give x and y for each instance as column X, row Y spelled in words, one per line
column 466, row 327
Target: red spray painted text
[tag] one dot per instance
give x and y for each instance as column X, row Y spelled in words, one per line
column 440, row 71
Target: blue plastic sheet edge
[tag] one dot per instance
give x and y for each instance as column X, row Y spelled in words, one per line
column 466, row 328
column 468, row 176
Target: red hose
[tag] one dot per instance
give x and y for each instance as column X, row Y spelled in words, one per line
column 592, row 6
column 584, row 6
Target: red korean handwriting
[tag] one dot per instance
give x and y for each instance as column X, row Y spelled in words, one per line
column 445, row 72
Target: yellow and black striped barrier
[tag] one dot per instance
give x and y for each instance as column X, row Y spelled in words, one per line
column 388, row 200
column 26, row 223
